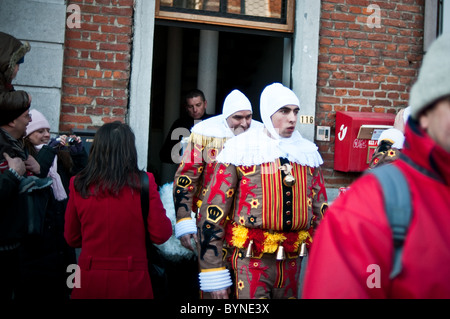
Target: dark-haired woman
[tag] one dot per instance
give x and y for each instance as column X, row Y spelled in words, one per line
column 104, row 218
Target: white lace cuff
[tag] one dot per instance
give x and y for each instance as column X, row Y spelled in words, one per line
column 215, row 280
column 185, row 227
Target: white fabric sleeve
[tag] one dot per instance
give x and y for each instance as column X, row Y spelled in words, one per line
column 185, row 227
column 215, row 280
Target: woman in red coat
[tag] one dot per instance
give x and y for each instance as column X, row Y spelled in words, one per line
column 104, row 218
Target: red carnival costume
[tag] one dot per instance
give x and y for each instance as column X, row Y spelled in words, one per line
column 199, row 159
column 266, row 196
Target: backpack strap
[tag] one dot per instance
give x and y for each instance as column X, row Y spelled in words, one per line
column 397, row 201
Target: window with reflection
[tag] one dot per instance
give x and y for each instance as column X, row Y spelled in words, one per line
column 263, row 14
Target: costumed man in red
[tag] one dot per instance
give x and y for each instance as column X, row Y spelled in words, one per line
column 199, row 159
column 353, row 250
column 265, row 199
column 390, row 142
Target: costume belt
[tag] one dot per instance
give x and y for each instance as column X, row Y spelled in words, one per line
column 266, row 241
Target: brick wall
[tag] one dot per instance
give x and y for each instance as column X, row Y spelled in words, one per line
column 365, row 69
column 96, row 68
column 360, row 68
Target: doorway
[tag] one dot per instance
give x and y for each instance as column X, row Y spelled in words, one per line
column 246, row 61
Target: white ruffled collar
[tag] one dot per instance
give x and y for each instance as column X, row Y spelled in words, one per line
column 217, row 127
column 255, row 147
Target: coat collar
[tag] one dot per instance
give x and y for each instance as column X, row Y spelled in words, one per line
column 423, row 153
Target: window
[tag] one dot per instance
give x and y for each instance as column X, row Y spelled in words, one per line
column 272, row 15
column 436, row 21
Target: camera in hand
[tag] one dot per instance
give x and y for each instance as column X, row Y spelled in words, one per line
column 71, row 140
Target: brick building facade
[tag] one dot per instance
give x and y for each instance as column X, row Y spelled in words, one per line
column 360, row 68
column 96, row 68
column 365, row 69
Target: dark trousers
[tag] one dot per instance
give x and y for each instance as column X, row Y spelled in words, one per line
column 9, row 273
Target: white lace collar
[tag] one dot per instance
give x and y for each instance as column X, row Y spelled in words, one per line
column 255, row 147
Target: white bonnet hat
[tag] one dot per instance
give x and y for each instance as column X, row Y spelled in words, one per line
column 234, row 102
column 274, row 97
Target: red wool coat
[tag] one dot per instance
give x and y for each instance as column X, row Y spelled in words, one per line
column 110, row 231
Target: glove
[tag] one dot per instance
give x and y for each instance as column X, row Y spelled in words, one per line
column 77, row 147
column 54, row 143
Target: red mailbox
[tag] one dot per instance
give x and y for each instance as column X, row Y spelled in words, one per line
column 356, row 138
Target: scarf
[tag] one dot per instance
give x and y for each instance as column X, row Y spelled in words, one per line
column 57, row 185
column 10, row 145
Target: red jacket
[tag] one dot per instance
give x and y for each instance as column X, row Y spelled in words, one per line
column 355, row 238
column 111, row 234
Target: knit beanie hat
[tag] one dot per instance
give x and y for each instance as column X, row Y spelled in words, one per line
column 10, row 111
column 38, row 121
column 234, row 102
column 433, row 82
column 274, row 97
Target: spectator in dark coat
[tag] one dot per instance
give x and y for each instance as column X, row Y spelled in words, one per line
column 44, row 259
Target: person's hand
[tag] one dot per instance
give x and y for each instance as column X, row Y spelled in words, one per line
column 56, row 142
column 32, row 165
column 399, row 123
column 16, row 164
column 186, row 241
column 221, row 294
column 76, row 146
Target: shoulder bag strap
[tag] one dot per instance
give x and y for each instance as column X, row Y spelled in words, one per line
column 145, row 203
column 397, row 200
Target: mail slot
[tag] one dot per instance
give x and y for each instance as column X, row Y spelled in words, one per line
column 356, row 138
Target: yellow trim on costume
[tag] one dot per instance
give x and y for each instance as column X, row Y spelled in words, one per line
column 182, row 219
column 247, row 170
column 214, row 142
column 272, row 240
column 213, row 269
column 214, row 213
column 388, row 140
column 274, row 197
column 184, row 181
column 240, row 235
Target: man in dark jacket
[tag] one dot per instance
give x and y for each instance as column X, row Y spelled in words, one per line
column 195, row 105
column 14, row 118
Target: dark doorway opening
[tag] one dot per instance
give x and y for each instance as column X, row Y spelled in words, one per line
column 246, row 61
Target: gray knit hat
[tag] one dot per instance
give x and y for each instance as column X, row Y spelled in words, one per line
column 433, row 82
